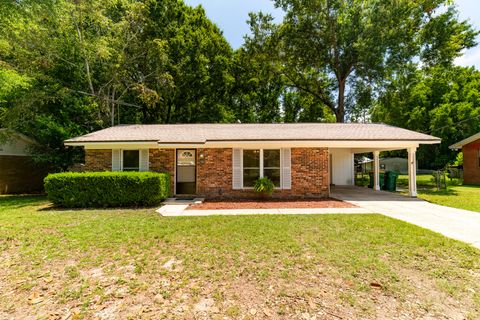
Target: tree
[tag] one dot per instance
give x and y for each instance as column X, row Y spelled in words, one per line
column 177, row 65
column 444, row 102
column 323, row 46
column 261, row 93
column 70, row 67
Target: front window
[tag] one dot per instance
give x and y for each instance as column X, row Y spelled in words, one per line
column 261, row 163
column 271, row 166
column 131, row 160
column 251, row 167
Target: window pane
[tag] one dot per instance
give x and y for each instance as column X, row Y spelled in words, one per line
column 250, row 176
column 251, row 158
column 131, row 160
column 185, row 157
column 271, row 158
column 274, row 175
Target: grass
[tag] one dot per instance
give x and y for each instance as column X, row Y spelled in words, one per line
column 456, row 196
column 136, row 264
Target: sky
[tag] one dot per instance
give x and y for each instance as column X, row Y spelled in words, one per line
column 232, row 15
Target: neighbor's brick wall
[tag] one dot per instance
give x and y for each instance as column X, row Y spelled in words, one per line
column 163, row 160
column 18, row 174
column 309, row 174
column 471, row 170
column 98, row 160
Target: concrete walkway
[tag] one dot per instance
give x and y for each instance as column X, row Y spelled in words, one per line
column 454, row 223
column 171, row 211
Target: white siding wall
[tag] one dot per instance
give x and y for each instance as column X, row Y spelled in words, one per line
column 342, row 167
column 14, row 147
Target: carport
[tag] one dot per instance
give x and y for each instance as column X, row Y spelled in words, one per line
column 342, row 171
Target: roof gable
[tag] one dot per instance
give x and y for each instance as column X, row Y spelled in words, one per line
column 466, row 141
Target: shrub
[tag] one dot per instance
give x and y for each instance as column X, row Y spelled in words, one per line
column 264, row 186
column 107, row 189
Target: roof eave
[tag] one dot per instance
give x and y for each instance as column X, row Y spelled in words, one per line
column 80, row 142
column 460, row 144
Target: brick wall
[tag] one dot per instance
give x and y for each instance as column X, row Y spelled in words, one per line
column 18, row 174
column 309, row 174
column 163, row 160
column 214, row 171
column 98, row 160
column 471, row 168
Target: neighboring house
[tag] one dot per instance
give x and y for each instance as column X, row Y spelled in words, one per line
column 387, row 164
column 471, row 158
column 17, row 172
column 224, row 160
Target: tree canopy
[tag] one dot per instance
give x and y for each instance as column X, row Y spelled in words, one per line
column 444, row 102
column 323, row 46
column 68, row 67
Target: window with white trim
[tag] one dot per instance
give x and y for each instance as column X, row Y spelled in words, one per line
column 478, row 157
column 259, row 163
column 271, row 165
column 251, row 167
column 131, row 160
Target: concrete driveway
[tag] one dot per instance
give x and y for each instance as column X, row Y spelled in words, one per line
column 454, row 223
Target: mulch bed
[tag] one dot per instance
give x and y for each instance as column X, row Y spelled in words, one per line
column 270, row 204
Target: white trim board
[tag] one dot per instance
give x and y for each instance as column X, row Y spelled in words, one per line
column 358, row 144
column 460, row 144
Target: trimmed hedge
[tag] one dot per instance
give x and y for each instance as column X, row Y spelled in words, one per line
column 107, row 189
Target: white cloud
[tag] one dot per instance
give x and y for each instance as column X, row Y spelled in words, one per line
column 470, row 58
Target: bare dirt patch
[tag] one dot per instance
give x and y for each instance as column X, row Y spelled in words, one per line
column 270, row 204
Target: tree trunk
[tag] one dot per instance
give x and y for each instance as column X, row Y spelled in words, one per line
column 85, row 58
column 340, row 112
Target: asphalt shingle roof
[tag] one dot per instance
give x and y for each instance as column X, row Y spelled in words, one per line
column 201, row 133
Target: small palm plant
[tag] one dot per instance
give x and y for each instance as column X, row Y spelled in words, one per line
column 264, row 186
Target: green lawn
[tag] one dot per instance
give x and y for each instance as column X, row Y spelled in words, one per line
column 457, row 196
column 134, row 263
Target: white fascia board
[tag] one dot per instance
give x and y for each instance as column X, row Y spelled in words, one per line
column 357, row 144
column 387, row 145
column 16, row 154
column 460, row 144
column 115, row 145
column 368, row 150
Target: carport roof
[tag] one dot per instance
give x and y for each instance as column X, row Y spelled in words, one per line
column 202, row 133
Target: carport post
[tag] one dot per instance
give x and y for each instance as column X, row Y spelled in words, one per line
column 412, row 172
column 376, row 170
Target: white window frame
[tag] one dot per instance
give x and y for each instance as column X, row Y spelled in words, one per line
column 261, row 168
column 121, row 159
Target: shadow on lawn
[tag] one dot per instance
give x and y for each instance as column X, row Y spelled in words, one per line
column 19, row 201
column 433, row 192
column 52, row 207
column 9, row 202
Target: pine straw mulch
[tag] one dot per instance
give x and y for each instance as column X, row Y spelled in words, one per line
column 270, row 204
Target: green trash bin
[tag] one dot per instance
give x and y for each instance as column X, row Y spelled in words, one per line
column 381, row 182
column 391, row 181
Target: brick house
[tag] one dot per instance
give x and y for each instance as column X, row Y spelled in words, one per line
column 18, row 173
column 471, row 158
column 224, row 160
